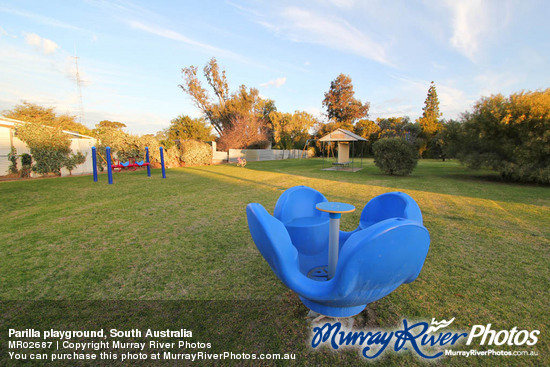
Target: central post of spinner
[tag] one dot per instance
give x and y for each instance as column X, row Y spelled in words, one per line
column 335, row 211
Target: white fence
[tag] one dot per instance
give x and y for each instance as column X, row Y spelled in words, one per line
column 255, row 154
column 264, row 154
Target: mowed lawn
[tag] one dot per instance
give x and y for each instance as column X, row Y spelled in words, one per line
column 186, row 238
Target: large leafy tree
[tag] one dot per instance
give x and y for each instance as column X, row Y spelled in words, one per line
column 31, row 112
column 291, row 130
column 111, row 124
column 186, row 128
column 227, row 110
column 369, row 130
column 342, row 106
column 510, row 135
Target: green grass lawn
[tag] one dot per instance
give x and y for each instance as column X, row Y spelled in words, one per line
column 184, row 242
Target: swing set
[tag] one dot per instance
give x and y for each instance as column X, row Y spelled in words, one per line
column 117, row 166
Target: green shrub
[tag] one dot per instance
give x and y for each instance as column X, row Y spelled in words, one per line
column 48, row 160
column 12, row 157
column 125, row 146
column 395, row 156
column 74, row 160
column 49, row 146
column 194, row 152
column 26, row 163
column 172, row 156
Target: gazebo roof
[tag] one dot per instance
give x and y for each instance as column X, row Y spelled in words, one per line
column 342, row 135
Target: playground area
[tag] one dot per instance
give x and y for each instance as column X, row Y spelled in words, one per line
column 186, row 238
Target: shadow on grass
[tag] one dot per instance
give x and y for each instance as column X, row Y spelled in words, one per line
column 439, row 177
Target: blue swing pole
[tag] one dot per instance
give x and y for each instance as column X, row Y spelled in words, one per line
column 147, row 161
column 94, row 163
column 109, row 168
column 162, row 162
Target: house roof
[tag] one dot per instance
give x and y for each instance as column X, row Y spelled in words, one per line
column 342, row 135
column 10, row 124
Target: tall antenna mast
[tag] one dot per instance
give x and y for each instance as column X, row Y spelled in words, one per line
column 79, row 85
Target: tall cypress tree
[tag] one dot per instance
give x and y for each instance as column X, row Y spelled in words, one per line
column 430, row 124
column 430, row 116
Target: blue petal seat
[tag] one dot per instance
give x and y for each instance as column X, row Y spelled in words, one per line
column 389, row 205
column 373, row 262
column 308, row 227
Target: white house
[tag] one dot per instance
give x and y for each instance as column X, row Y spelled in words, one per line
column 79, row 143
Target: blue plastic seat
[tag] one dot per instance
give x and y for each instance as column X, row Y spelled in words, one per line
column 372, row 263
column 389, row 205
column 308, row 227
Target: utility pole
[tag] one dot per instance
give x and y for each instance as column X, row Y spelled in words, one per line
column 79, row 85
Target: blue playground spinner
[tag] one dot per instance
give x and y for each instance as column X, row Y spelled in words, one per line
column 387, row 249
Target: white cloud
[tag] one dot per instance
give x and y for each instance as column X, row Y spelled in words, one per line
column 329, row 30
column 494, row 82
column 475, row 21
column 469, row 23
column 40, row 19
column 279, row 82
column 452, row 101
column 43, row 44
column 176, row 36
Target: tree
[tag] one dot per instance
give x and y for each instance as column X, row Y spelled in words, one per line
column 341, row 104
column 111, row 124
column 400, row 127
column 241, row 107
column 73, row 160
column 244, row 133
column 446, row 142
column 291, row 130
column 510, row 135
column 31, row 112
column 369, row 130
column 185, row 128
column 49, row 146
column 429, row 122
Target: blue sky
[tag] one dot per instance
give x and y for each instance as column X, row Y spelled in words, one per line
column 131, row 53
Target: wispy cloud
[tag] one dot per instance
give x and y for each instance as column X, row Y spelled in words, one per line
column 322, row 28
column 45, row 45
column 474, row 21
column 469, row 24
column 40, row 19
column 279, row 82
column 302, row 25
column 179, row 37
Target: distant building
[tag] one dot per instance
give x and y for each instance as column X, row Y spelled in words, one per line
column 79, row 143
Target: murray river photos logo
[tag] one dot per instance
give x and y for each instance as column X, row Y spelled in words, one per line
column 429, row 341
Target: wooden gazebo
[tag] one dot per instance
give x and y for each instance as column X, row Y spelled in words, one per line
column 347, row 142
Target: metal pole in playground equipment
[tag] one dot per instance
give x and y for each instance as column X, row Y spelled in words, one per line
column 94, row 163
column 109, row 168
column 147, row 160
column 162, row 162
